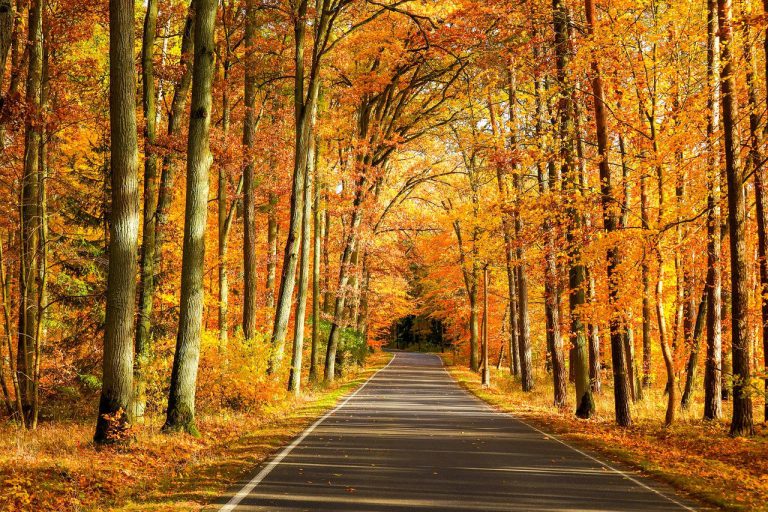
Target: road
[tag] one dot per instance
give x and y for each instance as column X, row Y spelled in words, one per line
column 412, row 440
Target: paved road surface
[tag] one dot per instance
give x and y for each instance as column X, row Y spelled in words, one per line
column 412, row 440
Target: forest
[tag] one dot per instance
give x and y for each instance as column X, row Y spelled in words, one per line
column 214, row 214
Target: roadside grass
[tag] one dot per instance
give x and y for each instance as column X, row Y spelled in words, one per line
column 696, row 457
column 58, row 468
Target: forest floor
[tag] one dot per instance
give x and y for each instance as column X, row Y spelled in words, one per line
column 696, row 457
column 58, row 468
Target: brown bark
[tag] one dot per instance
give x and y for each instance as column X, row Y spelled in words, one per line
column 117, row 388
column 617, row 319
column 181, row 396
column 742, row 423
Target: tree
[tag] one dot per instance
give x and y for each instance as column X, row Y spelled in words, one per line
column 146, row 264
column 577, row 277
column 181, row 396
column 117, row 387
column 742, row 402
column 713, row 366
column 621, row 390
column 249, row 208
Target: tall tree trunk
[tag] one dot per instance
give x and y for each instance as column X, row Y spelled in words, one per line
column 636, row 383
column 762, row 209
column 146, row 262
column 152, row 237
column 42, row 277
column 304, row 109
column 742, row 402
column 713, row 365
column 645, row 272
column 294, row 379
column 314, row 363
column 181, row 396
column 524, row 324
column 117, row 387
column 551, row 292
column 29, row 287
column 757, row 168
column 223, row 248
column 511, row 289
column 611, row 209
column 249, row 208
column 577, row 272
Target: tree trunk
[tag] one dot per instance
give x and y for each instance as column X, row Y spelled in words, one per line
column 249, row 208
column 713, row 366
column 693, row 358
column 514, row 323
column 742, row 401
column 551, row 292
column 469, row 272
column 181, row 396
column 486, row 377
column 577, row 272
column 344, row 273
column 645, row 271
column 117, row 387
column 611, row 208
column 294, row 379
column 756, row 167
column 762, row 218
column 152, row 237
column 147, row 260
column 304, row 109
column 327, row 297
column 42, row 277
column 314, row 363
column 524, row 325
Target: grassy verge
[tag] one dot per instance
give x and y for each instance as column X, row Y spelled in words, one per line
column 696, row 457
column 58, row 468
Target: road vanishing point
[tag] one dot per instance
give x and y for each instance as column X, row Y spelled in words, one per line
column 411, row 439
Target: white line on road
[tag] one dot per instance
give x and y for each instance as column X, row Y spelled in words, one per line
column 261, row 475
column 555, row 438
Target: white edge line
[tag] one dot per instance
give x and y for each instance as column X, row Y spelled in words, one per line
column 556, row 438
column 266, row 470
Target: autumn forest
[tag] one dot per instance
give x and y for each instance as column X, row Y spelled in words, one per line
column 218, row 218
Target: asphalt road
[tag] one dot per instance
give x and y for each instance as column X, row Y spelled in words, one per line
column 412, row 440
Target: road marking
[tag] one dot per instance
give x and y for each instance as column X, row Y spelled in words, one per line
column 266, row 470
column 556, row 438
